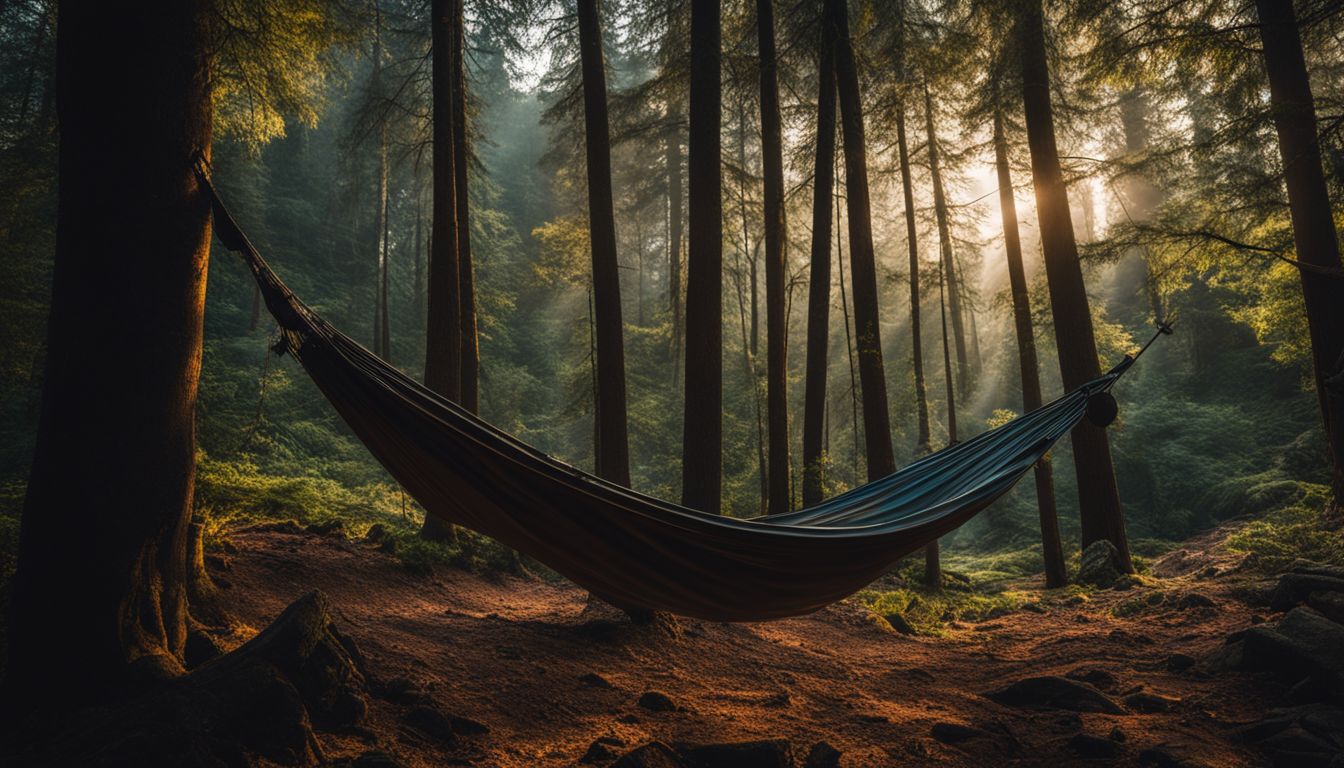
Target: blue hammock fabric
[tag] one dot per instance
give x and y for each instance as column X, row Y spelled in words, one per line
column 631, row 549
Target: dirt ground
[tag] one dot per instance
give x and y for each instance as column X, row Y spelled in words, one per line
column 529, row 660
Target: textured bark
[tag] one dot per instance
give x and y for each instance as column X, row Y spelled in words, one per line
column 1051, row 548
column 702, row 445
column 443, row 332
column 674, row 227
column 1314, row 235
column 877, row 421
column 819, row 286
column 1098, row 497
column 470, row 345
column 776, row 245
column 100, row 590
column 963, row 370
column 613, row 453
column 925, row 443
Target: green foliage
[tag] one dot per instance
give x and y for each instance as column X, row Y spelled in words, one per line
column 1298, row 531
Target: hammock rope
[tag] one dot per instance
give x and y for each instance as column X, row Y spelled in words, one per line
column 634, row 550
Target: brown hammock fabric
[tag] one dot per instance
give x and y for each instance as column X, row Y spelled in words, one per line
column 634, row 550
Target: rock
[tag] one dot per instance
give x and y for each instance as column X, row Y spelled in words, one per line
column 899, row 623
column 595, row 680
column 372, row 759
column 1168, row 755
column 822, row 755
column 774, row 753
column 1304, row 643
column 1193, row 600
column 1100, row 679
column 1310, row 690
column 465, row 726
column 1117, row 735
column 655, row 754
column 598, row 752
column 1056, row 693
column 431, row 723
column 1126, row 582
column 1179, row 662
column 326, row 528
column 1317, row 569
column 1033, row 606
column 1090, row 747
column 1293, row 588
column 1329, row 604
column 1149, row 703
column 955, row 733
column 1098, row 565
column 376, row 533
column 401, row 690
column 655, row 701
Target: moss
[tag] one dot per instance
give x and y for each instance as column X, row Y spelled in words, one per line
column 1274, row 541
column 927, row 611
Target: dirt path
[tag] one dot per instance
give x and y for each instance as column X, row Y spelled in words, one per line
column 517, row 655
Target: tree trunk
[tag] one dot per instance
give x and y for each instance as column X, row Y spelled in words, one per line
column 471, row 353
column 702, row 448
column 1143, row 197
column 912, row 239
column 613, row 454
column 1052, row 549
column 382, row 341
column 776, row 245
column 877, row 423
column 443, row 333
column 673, row 161
column 1098, row 497
column 819, row 286
column 945, row 249
column 933, row 574
column 100, row 590
column 745, row 254
column 1314, row 235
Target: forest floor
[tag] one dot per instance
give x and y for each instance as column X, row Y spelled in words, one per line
column 547, row 675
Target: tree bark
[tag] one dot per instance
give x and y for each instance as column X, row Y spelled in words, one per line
column 776, row 257
column 916, row 333
column 101, row 582
column 382, row 338
column 613, row 452
column 471, row 353
column 945, row 249
column 674, row 225
column 443, row 333
column 1314, row 235
column 877, row 422
column 933, row 574
column 1098, row 497
column 702, row 448
column 819, row 286
column 1051, row 548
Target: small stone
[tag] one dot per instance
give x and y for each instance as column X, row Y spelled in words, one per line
column 1179, row 662
column 1194, row 600
column 430, row 722
column 1149, row 703
column 595, row 680
column 1053, row 692
column 1090, row 747
column 655, row 754
column 773, row 753
column 465, row 726
column 956, row 733
column 401, row 690
column 900, row 624
column 1033, row 606
column 1329, row 604
column 598, row 753
column 1293, row 588
column 376, row 759
column 1098, row 564
column 822, row 755
column 656, row 701
column 1117, row 735
column 1126, row 582
column 1099, row 678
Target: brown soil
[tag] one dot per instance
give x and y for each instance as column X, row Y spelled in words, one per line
column 512, row 653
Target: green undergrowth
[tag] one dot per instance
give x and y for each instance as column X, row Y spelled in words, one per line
column 1274, row 541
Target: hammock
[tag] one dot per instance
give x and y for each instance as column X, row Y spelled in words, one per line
column 633, row 550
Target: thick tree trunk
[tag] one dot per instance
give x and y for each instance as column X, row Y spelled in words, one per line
column 1051, row 548
column 1314, row 235
column 877, row 422
column 776, row 245
column 963, row 370
column 613, row 453
column 916, row 333
column 443, row 332
column 470, row 345
column 702, row 445
column 1098, row 497
column 100, row 591
column 819, row 286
